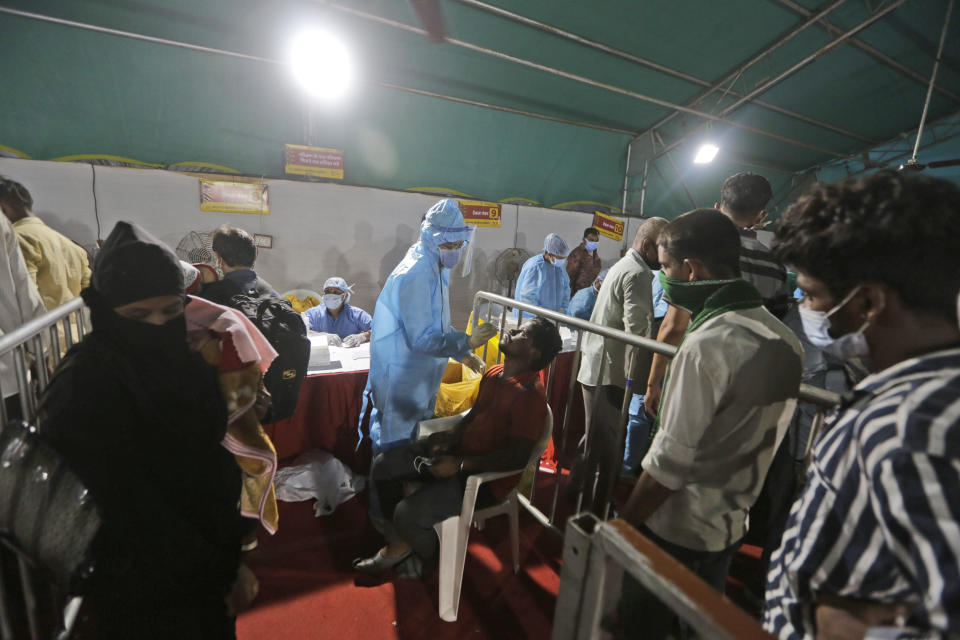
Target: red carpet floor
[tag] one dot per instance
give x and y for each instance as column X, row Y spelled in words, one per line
column 308, row 590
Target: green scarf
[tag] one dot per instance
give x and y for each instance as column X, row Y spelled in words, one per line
column 705, row 299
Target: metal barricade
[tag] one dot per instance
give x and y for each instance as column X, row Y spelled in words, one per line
column 822, row 398
column 596, row 555
column 34, row 350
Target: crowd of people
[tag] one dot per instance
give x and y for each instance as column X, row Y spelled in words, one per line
column 160, row 409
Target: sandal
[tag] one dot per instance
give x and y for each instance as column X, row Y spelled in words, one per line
column 378, row 563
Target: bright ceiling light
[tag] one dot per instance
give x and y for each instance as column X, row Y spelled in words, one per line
column 322, row 64
column 706, row 153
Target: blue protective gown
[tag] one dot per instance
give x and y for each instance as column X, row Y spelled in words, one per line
column 349, row 321
column 412, row 337
column 582, row 303
column 543, row 284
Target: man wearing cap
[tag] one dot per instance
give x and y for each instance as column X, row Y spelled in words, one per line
column 335, row 316
column 543, row 281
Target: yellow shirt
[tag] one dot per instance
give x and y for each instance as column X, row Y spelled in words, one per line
column 58, row 266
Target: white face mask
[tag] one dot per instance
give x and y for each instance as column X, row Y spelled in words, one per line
column 332, row 300
column 816, row 324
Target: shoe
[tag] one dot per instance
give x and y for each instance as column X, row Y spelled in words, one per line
column 249, row 543
column 377, row 563
column 412, row 567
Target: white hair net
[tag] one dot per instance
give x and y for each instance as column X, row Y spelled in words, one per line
column 556, row 245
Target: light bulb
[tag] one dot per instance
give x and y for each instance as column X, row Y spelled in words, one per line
column 706, row 153
column 322, row 64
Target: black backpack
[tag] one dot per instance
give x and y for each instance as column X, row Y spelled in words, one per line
column 284, row 329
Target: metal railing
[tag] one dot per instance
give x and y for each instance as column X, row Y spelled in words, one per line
column 596, row 555
column 820, row 397
column 34, row 350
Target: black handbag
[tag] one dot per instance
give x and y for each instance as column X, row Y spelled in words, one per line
column 47, row 515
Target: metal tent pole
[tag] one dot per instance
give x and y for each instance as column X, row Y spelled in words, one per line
column 650, row 64
column 863, row 46
column 590, row 82
column 233, row 54
column 793, row 69
column 752, row 61
column 933, row 78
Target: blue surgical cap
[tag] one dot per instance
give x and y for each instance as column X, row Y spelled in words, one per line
column 339, row 283
column 556, row 245
column 444, row 223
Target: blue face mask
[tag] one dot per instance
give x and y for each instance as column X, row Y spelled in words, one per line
column 591, row 246
column 450, row 257
column 559, row 262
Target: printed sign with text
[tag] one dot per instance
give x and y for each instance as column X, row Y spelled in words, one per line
column 318, row 162
column 481, row 214
column 234, row 197
column 608, row 226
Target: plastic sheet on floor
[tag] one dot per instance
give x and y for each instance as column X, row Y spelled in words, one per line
column 318, row 475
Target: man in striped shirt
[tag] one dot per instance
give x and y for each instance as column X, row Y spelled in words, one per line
column 872, row 546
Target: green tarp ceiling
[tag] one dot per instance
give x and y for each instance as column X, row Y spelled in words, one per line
column 72, row 92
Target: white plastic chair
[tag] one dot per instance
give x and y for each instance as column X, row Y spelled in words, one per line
column 454, row 532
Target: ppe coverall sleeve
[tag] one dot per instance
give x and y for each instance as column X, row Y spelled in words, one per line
column 421, row 318
column 530, row 282
column 580, row 305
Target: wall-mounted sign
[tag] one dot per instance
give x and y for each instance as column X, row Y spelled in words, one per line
column 314, row 161
column 234, row 197
column 608, row 226
column 263, row 240
column 481, row 214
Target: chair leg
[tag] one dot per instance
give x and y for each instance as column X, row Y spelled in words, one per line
column 453, row 553
column 514, row 515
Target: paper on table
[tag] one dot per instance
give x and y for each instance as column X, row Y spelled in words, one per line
column 351, row 359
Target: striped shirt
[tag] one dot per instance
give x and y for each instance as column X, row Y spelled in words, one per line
column 761, row 269
column 878, row 517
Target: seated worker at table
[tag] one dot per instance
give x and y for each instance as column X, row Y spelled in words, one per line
column 498, row 434
column 336, row 317
column 543, row 281
column 582, row 303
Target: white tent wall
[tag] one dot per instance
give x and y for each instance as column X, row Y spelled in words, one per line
column 319, row 229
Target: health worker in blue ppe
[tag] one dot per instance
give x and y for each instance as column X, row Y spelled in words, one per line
column 412, row 338
column 582, row 303
column 338, row 319
column 543, row 280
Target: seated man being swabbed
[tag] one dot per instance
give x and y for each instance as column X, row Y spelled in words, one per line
column 498, row 434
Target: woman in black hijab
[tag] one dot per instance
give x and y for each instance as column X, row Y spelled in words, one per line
column 140, row 419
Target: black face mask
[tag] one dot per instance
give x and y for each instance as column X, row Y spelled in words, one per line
column 142, row 338
column 153, row 342
column 653, row 264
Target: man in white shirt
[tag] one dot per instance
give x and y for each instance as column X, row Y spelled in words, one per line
column 19, row 302
column 729, row 395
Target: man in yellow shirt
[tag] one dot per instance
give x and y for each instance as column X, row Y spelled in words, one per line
column 57, row 265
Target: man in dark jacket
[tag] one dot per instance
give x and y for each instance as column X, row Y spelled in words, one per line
column 236, row 254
